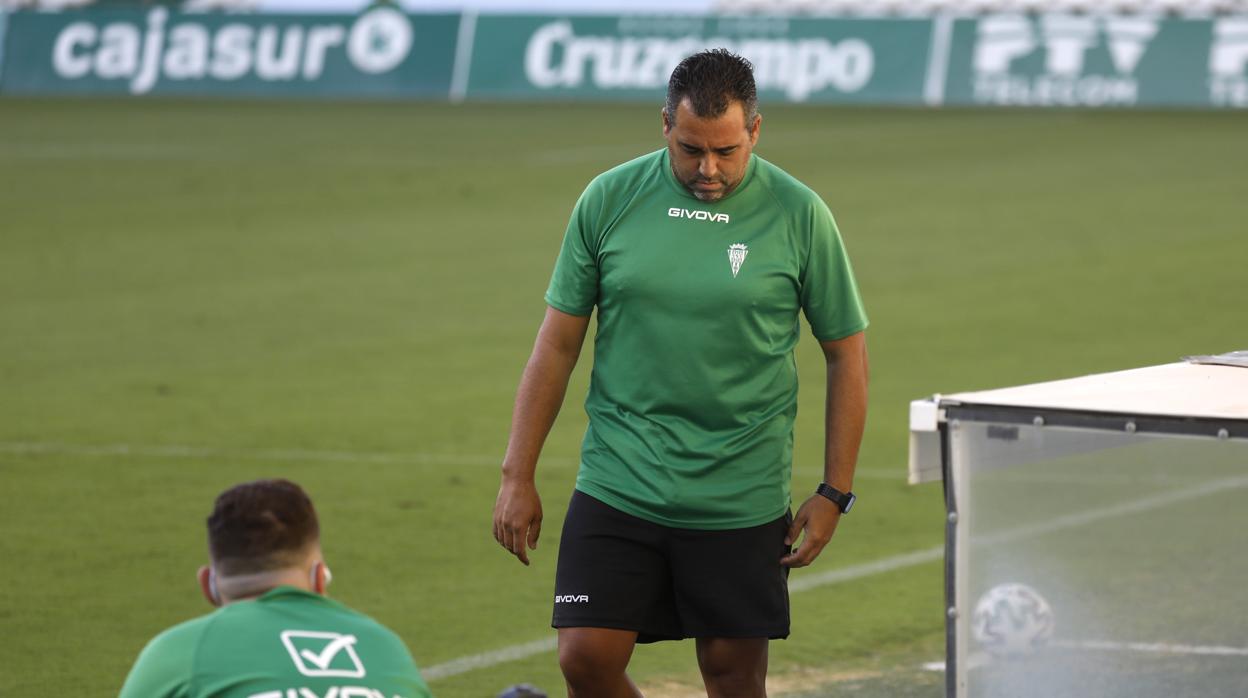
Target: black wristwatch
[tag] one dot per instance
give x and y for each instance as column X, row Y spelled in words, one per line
column 843, row 500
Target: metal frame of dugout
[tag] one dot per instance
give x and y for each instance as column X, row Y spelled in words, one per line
column 1150, row 442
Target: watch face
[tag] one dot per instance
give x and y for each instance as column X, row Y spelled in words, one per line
column 849, row 504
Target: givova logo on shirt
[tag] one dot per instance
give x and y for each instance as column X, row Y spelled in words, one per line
column 331, row 692
column 677, row 212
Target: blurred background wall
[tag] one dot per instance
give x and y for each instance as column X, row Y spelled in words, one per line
column 1111, row 53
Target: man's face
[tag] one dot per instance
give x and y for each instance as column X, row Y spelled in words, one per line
column 709, row 155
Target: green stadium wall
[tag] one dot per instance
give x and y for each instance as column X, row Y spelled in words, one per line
column 995, row 60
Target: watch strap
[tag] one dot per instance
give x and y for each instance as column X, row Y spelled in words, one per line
column 843, row 500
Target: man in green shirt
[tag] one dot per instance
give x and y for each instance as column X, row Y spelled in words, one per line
column 699, row 259
column 275, row 633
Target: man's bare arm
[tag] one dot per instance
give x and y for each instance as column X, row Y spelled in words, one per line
column 518, row 509
column 846, row 415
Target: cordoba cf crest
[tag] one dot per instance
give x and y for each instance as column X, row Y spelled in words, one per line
column 736, row 257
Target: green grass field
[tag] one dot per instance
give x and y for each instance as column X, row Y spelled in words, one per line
column 194, row 294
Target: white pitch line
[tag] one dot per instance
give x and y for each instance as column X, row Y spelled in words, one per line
column 1149, row 647
column 275, row 454
column 869, row 569
column 109, row 151
column 866, row 569
column 298, row 454
column 466, row 664
column 1044, row 478
column 510, row 653
column 1135, row 506
column 514, row 652
column 1154, row 647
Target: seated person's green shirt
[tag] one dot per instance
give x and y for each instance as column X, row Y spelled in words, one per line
column 694, row 387
column 285, row 643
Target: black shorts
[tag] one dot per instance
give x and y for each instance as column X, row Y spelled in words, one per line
column 619, row 571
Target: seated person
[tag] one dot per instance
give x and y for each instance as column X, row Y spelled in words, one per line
column 275, row 633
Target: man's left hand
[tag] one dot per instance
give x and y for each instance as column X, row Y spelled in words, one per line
column 818, row 517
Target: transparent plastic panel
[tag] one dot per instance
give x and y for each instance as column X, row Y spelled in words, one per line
column 1100, row 564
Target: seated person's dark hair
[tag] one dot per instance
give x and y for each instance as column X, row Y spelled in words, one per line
column 260, row 526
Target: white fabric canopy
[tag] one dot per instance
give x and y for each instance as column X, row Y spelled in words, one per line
column 1176, row 390
column 1171, row 390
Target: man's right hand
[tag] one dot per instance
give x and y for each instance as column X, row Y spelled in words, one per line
column 518, row 517
column 518, row 509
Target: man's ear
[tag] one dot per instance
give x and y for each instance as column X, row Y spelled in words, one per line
column 208, row 585
column 320, row 578
column 756, row 129
column 667, row 122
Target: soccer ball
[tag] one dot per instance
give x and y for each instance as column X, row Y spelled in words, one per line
column 1012, row 620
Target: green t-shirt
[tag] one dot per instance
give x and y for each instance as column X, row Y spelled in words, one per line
column 285, row 643
column 694, row 386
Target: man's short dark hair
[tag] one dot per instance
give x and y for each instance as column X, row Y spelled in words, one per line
column 712, row 80
column 260, row 526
